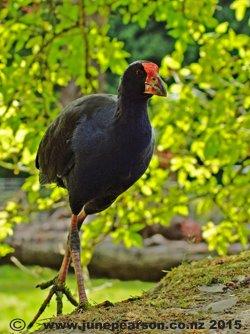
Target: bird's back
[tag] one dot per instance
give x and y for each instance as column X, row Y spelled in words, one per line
column 55, row 156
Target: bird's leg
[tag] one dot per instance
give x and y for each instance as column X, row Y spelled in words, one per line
column 76, row 259
column 61, row 277
column 58, row 288
column 83, row 302
column 57, row 284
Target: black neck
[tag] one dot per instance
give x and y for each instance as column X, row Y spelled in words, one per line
column 132, row 107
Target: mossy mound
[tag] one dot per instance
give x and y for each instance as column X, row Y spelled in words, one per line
column 212, row 292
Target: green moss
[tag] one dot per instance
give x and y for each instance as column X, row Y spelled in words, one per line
column 179, row 288
column 177, row 296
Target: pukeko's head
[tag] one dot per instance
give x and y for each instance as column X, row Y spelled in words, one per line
column 141, row 79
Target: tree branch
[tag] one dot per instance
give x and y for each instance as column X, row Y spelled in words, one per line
column 85, row 44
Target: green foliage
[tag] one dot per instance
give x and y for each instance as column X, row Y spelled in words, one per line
column 204, row 123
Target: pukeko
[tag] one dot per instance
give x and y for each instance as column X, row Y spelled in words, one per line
column 97, row 147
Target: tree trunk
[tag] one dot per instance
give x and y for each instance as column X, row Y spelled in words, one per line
column 42, row 243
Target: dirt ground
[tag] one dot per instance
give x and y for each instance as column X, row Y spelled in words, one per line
column 206, row 296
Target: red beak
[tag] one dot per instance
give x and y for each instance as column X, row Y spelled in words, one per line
column 155, row 85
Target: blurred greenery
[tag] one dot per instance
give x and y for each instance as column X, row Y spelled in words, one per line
column 18, row 302
column 203, row 126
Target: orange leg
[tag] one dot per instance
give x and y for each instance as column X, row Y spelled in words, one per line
column 75, row 248
column 64, row 266
column 67, row 256
column 58, row 283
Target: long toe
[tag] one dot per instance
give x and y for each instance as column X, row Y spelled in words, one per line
column 59, row 303
column 47, row 284
column 57, row 288
column 69, row 296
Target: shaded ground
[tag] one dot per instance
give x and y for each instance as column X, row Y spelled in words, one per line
column 206, row 290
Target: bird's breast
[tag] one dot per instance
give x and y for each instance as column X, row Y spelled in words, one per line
column 134, row 154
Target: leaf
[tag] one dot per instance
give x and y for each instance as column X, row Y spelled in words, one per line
column 181, row 209
column 171, row 63
column 240, row 7
column 211, row 146
column 222, row 27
